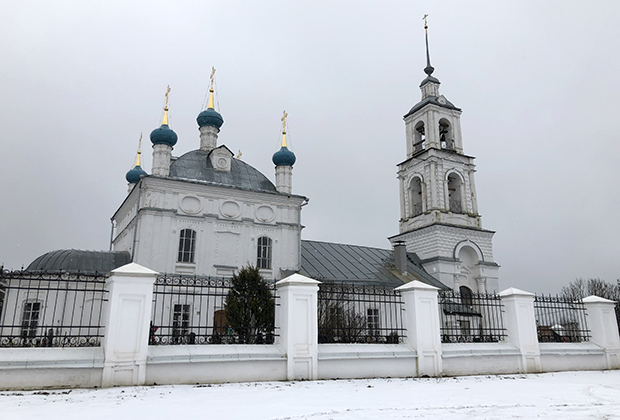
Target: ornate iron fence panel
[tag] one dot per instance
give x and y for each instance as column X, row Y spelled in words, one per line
column 51, row 309
column 560, row 320
column 192, row 310
column 359, row 314
column 471, row 317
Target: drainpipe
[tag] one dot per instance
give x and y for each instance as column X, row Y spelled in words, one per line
column 305, row 203
column 135, row 228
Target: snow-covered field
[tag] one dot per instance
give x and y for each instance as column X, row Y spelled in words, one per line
column 567, row 395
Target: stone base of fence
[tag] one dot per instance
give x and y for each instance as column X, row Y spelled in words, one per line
column 125, row 358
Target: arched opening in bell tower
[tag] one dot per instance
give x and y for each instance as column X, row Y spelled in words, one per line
column 417, row 197
column 419, row 137
column 446, row 138
column 455, row 203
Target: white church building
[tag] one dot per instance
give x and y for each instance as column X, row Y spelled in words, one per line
column 209, row 213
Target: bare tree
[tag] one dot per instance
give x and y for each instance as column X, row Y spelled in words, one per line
column 579, row 289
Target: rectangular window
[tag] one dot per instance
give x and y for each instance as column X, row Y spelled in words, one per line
column 180, row 321
column 187, row 245
column 263, row 259
column 372, row 321
column 30, row 319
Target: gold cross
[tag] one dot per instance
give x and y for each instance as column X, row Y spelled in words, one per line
column 425, row 25
column 212, row 75
column 283, row 119
column 167, row 93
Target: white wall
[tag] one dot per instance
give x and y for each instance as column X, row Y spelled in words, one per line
column 126, row 359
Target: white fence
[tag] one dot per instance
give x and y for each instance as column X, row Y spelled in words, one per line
column 126, row 358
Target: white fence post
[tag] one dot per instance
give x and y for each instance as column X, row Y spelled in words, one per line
column 604, row 328
column 521, row 327
column 422, row 323
column 127, row 323
column 297, row 318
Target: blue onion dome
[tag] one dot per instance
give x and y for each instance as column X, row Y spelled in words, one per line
column 284, row 157
column 134, row 175
column 164, row 135
column 210, row 117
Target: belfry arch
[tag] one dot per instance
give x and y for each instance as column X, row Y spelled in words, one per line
column 416, row 194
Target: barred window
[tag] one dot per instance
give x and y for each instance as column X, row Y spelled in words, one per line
column 180, row 321
column 263, row 259
column 372, row 321
column 187, row 245
column 30, row 319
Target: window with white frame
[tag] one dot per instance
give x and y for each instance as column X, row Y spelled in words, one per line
column 187, row 246
column 180, row 320
column 372, row 321
column 30, row 319
column 263, row 259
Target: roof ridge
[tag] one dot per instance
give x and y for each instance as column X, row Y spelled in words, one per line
column 339, row 243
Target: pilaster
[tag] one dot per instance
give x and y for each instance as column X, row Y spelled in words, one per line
column 297, row 318
column 422, row 323
column 603, row 326
column 521, row 327
column 127, row 321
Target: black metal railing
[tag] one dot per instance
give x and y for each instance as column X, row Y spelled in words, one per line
column 192, row 310
column 418, row 147
column 560, row 320
column 359, row 314
column 471, row 317
column 51, row 309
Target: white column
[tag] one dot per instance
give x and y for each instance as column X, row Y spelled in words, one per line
column 521, row 327
column 208, row 137
column 125, row 344
column 297, row 318
column 161, row 159
column 284, row 179
column 422, row 323
column 603, row 326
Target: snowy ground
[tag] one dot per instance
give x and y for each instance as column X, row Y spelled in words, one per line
column 567, row 395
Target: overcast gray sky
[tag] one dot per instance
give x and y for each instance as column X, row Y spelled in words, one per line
column 538, row 82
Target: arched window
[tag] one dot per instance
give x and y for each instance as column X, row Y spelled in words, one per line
column 446, row 139
column 467, row 297
column 417, row 208
column 454, row 193
column 187, row 245
column 263, row 255
column 419, row 137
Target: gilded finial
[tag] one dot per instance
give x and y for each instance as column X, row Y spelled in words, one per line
column 210, row 105
column 165, row 119
column 239, row 154
column 425, row 25
column 139, row 150
column 283, row 119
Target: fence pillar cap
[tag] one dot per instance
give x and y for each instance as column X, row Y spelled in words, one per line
column 415, row 285
column 133, row 270
column 513, row 291
column 596, row 299
column 297, row 280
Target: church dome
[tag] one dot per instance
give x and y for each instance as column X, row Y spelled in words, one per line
column 210, row 117
column 164, row 135
column 196, row 166
column 75, row 260
column 284, row 157
column 134, row 175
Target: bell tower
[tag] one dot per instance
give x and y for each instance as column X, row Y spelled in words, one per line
column 438, row 204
